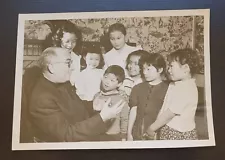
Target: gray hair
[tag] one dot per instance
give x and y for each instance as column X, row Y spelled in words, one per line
column 45, row 57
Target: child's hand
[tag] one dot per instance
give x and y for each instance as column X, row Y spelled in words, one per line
column 150, row 134
column 129, row 137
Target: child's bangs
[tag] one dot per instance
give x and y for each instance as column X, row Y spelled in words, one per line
column 172, row 58
column 177, row 58
column 153, row 63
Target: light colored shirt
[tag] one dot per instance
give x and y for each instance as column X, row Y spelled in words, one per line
column 129, row 83
column 113, row 57
column 88, row 83
column 75, row 66
column 181, row 99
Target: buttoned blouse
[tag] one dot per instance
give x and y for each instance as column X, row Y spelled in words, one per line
column 149, row 100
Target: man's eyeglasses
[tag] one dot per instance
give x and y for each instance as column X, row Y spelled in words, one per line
column 68, row 62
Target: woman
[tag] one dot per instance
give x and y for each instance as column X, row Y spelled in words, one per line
column 65, row 34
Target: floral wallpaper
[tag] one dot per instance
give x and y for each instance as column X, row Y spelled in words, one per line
column 199, row 41
column 36, row 29
column 154, row 34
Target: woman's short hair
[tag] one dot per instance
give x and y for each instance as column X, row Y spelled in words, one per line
column 54, row 38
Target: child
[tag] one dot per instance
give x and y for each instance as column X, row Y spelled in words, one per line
column 68, row 36
column 177, row 116
column 88, row 80
column 111, row 81
column 118, row 54
column 146, row 98
column 134, row 76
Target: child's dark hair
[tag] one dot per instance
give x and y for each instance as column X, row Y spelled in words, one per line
column 117, row 27
column 117, row 71
column 140, row 53
column 54, row 38
column 185, row 56
column 97, row 50
column 154, row 59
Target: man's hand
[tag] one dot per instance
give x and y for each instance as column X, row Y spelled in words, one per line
column 109, row 112
column 97, row 104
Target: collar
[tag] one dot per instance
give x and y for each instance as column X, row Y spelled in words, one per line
column 122, row 49
column 73, row 54
column 184, row 82
column 57, row 85
column 110, row 93
column 135, row 81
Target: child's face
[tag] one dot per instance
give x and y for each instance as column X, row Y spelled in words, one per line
column 117, row 39
column 176, row 71
column 133, row 67
column 109, row 82
column 92, row 60
column 151, row 73
column 68, row 41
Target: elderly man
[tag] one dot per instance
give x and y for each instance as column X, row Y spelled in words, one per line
column 57, row 113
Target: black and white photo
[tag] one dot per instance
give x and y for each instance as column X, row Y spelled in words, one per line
column 113, row 80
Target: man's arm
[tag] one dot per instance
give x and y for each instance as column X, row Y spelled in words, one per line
column 50, row 119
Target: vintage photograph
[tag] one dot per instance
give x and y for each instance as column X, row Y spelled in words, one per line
column 113, row 80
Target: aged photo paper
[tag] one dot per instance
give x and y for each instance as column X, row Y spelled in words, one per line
column 161, row 32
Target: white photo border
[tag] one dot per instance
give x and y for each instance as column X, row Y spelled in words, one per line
column 16, row 145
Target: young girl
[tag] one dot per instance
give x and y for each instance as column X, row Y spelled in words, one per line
column 118, row 54
column 67, row 36
column 177, row 116
column 88, row 80
column 134, row 76
column 146, row 98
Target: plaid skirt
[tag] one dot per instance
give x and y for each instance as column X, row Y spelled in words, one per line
column 168, row 133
